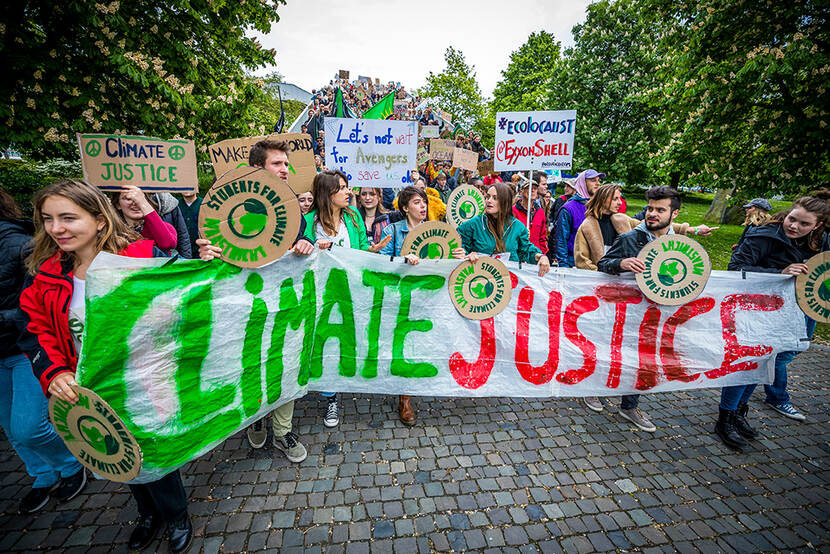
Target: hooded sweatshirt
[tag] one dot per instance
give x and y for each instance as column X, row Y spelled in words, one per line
column 15, row 235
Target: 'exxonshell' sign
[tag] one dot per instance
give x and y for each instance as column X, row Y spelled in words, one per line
column 534, row 140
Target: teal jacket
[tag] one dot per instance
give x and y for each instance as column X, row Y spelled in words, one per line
column 476, row 237
column 357, row 232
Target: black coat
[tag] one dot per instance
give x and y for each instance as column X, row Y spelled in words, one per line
column 15, row 245
column 766, row 249
column 627, row 245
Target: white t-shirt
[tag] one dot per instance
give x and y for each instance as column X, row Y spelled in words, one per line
column 340, row 239
column 77, row 312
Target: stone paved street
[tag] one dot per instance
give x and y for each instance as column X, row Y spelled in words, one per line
column 488, row 475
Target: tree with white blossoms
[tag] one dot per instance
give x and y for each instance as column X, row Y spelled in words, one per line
column 172, row 68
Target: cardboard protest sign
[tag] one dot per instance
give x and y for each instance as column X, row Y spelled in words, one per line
column 204, row 350
column 399, row 107
column 372, row 152
column 446, row 116
column 228, row 154
column 429, row 131
column 534, row 140
column 480, row 290
column 812, row 289
column 423, row 155
column 441, row 149
column 463, row 204
column 485, row 168
column 464, row 159
column 677, row 269
column 431, row 239
column 251, row 214
column 154, row 165
column 343, row 74
column 96, row 436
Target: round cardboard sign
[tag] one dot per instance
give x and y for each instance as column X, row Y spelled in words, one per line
column 480, row 290
column 812, row 289
column 677, row 269
column 252, row 215
column 463, row 204
column 95, row 435
column 431, row 239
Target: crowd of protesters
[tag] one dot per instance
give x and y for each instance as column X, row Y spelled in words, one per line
column 45, row 264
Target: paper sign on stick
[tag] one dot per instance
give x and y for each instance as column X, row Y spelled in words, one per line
column 152, row 164
column 485, row 168
column 343, row 74
column 464, row 159
column 534, row 140
column 231, row 153
column 372, row 152
column 441, row 149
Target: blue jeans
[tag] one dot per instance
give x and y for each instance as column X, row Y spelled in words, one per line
column 24, row 416
column 630, row 401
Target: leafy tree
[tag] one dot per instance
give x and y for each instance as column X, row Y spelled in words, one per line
column 525, row 82
column 265, row 111
column 456, row 91
column 745, row 93
column 165, row 68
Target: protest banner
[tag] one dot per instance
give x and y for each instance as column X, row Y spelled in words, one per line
column 431, row 240
column 813, row 288
column 677, row 268
column 429, row 131
column 372, row 152
column 154, row 165
column 485, row 168
column 343, row 74
column 399, row 107
column 441, row 149
column 464, row 159
column 464, row 203
column 188, row 353
column 228, row 154
column 534, row 140
column 252, row 215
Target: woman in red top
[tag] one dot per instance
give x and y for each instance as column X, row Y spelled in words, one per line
column 74, row 221
column 141, row 216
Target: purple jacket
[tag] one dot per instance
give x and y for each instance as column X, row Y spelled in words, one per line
column 570, row 218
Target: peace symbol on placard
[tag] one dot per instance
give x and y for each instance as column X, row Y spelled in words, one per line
column 93, row 148
column 176, row 152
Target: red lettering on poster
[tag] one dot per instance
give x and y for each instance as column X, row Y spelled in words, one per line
column 473, row 375
column 647, row 349
column 672, row 363
column 621, row 295
column 574, row 310
column 537, row 375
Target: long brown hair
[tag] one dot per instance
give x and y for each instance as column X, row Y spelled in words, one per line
column 115, row 199
column 815, row 205
column 114, row 237
column 8, row 207
column 379, row 193
column 600, row 200
column 496, row 224
column 325, row 185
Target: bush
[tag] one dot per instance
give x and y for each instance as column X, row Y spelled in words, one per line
column 22, row 178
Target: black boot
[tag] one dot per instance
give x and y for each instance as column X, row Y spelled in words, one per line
column 725, row 429
column 181, row 535
column 145, row 531
column 742, row 425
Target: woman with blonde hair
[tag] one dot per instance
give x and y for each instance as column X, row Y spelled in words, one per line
column 370, row 206
column 757, row 213
column 74, row 221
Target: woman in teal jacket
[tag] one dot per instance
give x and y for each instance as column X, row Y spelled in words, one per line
column 332, row 221
column 496, row 231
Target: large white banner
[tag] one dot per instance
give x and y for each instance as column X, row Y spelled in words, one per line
column 534, row 140
column 372, row 152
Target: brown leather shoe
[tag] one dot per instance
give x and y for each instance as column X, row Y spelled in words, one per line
column 406, row 411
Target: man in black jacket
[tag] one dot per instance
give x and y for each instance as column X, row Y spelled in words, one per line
column 663, row 207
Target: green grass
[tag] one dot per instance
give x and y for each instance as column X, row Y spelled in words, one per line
column 719, row 244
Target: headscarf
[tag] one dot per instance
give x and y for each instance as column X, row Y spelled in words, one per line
column 580, row 187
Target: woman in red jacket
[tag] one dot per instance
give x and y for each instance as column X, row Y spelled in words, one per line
column 74, row 221
column 141, row 216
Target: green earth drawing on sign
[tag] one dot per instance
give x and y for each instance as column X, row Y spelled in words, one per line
column 466, row 209
column 97, row 435
column 824, row 290
column 251, row 221
column 431, row 251
column 671, row 271
column 481, row 287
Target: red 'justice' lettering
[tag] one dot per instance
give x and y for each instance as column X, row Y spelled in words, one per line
column 473, row 375
column 537, row 375
column 575, row 309
column 672, row 363
column 621, row 295
column 647, row 349
column 733, row 350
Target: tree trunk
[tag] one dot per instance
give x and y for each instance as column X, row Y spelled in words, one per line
column 717, row 211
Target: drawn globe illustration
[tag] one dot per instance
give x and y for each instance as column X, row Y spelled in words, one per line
column 824, row 290
column 248, row 219
column 97, row 435
column 480, row 287
column 466, row 209
column 671, row 271
column 431, row 251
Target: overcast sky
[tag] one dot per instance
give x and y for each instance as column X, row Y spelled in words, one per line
column 405, row 40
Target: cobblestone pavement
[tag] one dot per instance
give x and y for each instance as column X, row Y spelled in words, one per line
column 490, row 475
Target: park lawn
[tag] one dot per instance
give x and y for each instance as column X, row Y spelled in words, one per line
column 719, row 244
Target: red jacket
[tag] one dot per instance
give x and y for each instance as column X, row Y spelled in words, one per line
column 45, row 300
column 539, row 232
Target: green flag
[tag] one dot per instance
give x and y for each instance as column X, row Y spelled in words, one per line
column 341, row 109
column 383, row 109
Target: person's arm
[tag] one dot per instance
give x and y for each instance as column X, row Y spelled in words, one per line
column 160, row 232
column 563, row 233
column 582, row 252
column 182, row 234
column 749, row 254
column 466, row 232
column 389, row 249
column 611, row 262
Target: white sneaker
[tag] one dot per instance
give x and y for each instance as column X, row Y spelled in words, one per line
column 593, row 403
column 787, row 409
column 638, row 418
column 332, row 418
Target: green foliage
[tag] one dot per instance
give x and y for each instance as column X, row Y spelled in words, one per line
column 456, row 91
column 265, row 110
column 22, row 178
column 163, row 68
column 525, row 82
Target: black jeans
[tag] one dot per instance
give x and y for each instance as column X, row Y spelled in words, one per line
column 165, row 498
column 630, row 401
